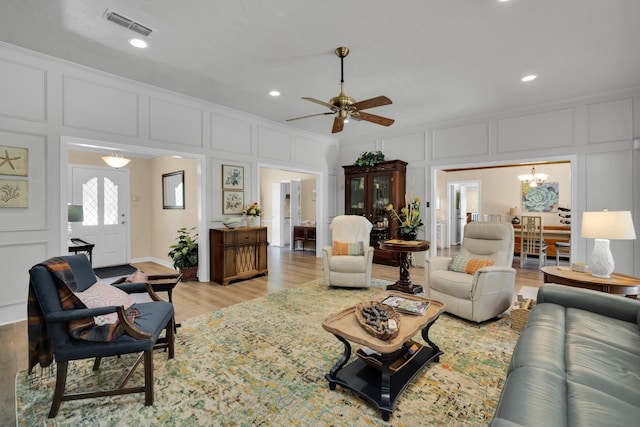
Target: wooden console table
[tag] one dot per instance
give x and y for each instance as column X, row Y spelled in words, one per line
column 619, row 284
column 78, row 245
column 303, row 234
column 237, row 253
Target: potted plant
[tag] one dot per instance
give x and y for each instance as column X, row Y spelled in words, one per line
column 185, row 253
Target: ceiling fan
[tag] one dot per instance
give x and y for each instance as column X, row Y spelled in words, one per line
column 344, row 107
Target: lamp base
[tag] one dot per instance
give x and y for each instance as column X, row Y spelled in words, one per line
column 601, row 262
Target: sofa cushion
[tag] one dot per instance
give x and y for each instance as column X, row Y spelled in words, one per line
column 347, row 264
column 451, row 283
column 105, row 295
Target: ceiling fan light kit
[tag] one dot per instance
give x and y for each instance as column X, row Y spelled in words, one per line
column 344, row 107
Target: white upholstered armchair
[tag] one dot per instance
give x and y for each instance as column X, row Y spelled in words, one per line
column 487, row 291
column 348, row 262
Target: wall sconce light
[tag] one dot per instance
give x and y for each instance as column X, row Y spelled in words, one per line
column 533, row 179
column 603, row 226
column 116, row 160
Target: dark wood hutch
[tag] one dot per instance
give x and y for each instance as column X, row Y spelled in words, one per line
column 368, row 192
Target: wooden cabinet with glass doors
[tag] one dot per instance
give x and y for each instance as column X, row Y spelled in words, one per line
column 368, row 192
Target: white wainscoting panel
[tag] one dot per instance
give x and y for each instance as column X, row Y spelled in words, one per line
column 231, row 135
column 351, row 152
column 93, row 106
column 22, row 92
column 35, row 215
column 308, row 151
column 16, row 258
column 460, row 141
column 610, row 187
column 274, row 144
column 611, row 121
column 410, row 148
column 173, row 122
column 551, row 129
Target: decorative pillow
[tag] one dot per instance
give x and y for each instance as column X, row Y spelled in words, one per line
column 104, row 295
column 463, row 264
column 348, row 248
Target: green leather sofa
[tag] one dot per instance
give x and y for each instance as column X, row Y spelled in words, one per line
column 576, row 363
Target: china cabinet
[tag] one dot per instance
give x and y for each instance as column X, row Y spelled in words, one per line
column 368, row 192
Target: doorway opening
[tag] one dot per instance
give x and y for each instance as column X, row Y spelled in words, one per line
column 93, row 149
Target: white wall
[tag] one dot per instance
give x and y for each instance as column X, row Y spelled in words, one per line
column 45, row 100
column 595, row 133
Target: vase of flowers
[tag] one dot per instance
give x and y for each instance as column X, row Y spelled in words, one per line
column 408, row 217
column 253, row 213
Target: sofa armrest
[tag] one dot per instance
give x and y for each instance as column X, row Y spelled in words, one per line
column 614, row 306
column 491, row 280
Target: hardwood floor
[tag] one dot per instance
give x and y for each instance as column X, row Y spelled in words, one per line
column 287, row 269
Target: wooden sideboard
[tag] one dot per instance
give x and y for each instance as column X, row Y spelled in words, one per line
column 552, row 234
column 237, row 253
column 303, row 234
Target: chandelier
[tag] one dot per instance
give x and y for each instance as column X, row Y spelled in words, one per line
column 533, row 179
column 116, row 160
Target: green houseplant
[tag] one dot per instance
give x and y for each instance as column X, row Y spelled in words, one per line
column 370, row 158
column 185, row 253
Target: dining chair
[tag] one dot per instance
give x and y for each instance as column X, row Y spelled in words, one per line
column 532, row 240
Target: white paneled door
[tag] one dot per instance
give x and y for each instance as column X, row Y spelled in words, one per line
column 104, row 196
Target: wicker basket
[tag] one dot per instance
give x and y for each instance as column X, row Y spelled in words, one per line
column 385, row 334
column 520, row 315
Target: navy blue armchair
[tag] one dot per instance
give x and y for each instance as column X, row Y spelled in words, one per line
column 50, row 322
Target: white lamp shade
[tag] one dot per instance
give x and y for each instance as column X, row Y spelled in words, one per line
column 613, row 225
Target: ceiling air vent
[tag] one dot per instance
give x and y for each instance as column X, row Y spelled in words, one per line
column 127, row 23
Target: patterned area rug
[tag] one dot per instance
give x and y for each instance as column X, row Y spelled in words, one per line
column 263, row 362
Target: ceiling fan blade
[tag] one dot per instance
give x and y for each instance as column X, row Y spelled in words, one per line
column 310, row 115
column 379, row 120
column 317, row 101
column 338, row 125
column 378, row 101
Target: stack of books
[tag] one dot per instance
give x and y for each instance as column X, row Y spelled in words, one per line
column 405, row 305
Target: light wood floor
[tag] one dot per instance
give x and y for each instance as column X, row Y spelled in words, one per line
column 286, row 270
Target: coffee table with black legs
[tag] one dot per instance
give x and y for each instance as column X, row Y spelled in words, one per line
column 382, row 378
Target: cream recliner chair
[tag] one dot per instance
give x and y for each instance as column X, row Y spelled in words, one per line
column 487, row 292
column 351, row 271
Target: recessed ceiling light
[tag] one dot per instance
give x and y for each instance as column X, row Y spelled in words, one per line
column 139, row 43
column 528, row 78
column 274, row 93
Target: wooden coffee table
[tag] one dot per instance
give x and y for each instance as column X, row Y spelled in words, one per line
column 618, row 283
column 382, row 384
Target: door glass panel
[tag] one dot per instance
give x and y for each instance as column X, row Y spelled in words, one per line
column 380, row 200
column 90, row 202
column 110, row 202
column 357, row 196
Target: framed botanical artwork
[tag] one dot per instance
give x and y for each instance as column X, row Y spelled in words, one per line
column 14, row 161
column 232, row 177
column 232, row 202
column 14, row 193
column 543, row 198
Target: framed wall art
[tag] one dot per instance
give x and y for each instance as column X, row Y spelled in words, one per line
column 14, row 161
column 14, row 193
column 232, row 202
column 232, row 177
column 543, row 198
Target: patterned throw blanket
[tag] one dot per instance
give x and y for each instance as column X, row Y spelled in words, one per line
column 40, row 350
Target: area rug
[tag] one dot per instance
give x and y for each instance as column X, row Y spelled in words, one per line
column 114, row 271
column 262, row 363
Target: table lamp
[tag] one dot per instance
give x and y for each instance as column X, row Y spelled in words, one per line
column 74, row 214
column 603, row 226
